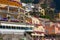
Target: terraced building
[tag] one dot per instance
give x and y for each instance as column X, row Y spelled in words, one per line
column 12, row 20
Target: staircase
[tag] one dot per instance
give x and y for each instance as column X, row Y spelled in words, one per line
column 28, row 37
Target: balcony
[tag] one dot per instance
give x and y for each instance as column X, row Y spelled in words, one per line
column 14, row 20
column 10, row 12
column 3, row 19
column 3, row 11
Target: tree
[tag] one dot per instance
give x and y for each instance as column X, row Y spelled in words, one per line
column 36, row 1
column 27, row 1
column 44, row 6
column 49, row 12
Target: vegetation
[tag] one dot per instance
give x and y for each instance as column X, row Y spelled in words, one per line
column 44, row 6
column 27, row 1
column 47, row 17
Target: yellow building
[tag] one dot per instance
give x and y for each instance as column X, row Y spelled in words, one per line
column 59, row 15
column 42, row 11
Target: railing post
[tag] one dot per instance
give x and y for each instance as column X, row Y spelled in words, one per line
column 18, row 13
column 18, row 10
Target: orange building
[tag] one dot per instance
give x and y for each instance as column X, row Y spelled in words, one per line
column 8, row 2
column 52, row 31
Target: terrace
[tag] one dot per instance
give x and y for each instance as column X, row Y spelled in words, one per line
column 10, row 13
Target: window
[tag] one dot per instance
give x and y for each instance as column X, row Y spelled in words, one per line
column 22, row 28
column 42, row 11
column 46, row 31
column 8, row 27
column 53, row 30
column 21, row 18
column 11, row 27
column 14, row 28
column 3, row 27
column 47, row 24
column 0, row 26
column 30, row 28
column 9, row 39
column 27, row 28
column 21, row 21
column 12, row 17
column 18, row 27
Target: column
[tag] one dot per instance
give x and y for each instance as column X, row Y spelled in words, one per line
column 8, row 8
column 18, row 13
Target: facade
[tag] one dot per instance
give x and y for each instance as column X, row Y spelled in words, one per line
column 12, row 21
column 52, row 32
column 51, row 29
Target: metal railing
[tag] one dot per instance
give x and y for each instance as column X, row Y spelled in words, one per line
column 5, row 11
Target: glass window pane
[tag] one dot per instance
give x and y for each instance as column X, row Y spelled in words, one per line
column 0, row 26
column 22, row 28
column 30, row 28
column 26, row 28
column 18, row 27
column 13, row 27
column 8, row 27
column 3, row 27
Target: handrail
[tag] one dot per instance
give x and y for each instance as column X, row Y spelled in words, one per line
column 5, row 11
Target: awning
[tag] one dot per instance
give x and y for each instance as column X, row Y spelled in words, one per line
column 35, row 34
column 16, row 25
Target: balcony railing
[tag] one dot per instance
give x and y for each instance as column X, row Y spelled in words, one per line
column 14, row 20
column 3, row 19
column 5, row 11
